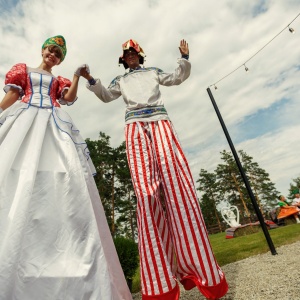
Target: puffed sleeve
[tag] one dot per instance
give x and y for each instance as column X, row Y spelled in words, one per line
column 16, row 78
column 181, row 73
column 64, row 84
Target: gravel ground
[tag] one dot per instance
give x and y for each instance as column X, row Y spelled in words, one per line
column 260, row 277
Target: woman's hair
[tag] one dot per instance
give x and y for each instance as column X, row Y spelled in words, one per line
column 56, row 50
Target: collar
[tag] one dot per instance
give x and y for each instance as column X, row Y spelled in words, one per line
column 137, row 68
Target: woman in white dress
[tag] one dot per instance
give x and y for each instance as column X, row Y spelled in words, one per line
column 55, row 242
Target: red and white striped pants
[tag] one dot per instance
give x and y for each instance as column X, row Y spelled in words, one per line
column 173, row 241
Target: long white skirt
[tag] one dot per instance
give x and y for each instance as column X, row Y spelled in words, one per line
column 54, row 238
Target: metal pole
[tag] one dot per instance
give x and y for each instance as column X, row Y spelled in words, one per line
column 245, row 179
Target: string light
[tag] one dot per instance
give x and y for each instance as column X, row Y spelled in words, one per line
column 291, row 30
column 244, row 64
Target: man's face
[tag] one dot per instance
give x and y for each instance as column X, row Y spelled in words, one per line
column 297, row 196
column 131, row 58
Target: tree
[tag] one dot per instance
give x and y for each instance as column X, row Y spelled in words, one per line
column 128, row 255
column 99, row 153
column 231, row 183
column 226, row 183
column 127, row 202
column 114, row 185
column 293, row 186
column 211, row 197
column 263, row 189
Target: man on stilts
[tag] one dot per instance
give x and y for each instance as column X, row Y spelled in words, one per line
column 173, row 240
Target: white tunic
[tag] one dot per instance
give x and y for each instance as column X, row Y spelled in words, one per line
column 140, row 89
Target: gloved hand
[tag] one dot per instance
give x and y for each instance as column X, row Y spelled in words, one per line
column 77, row 71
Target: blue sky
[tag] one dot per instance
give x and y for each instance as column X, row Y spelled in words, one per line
column 263, row 121
column 8, row 5
column 260, row 107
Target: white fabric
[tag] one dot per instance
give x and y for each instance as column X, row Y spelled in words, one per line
column 77, row 71
column 296, row 201
column 55, row 243
column 40, row 96
column 8, row 87
column 41, row 82
column 61, row 101
column 140, row 88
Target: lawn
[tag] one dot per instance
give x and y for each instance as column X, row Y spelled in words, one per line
column 230, row 250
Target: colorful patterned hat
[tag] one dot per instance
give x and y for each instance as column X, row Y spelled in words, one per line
column 134, row 45
column 58, row 41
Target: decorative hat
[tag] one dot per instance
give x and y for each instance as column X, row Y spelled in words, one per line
column 134, row 45
column 295, row 191
column 58, row 41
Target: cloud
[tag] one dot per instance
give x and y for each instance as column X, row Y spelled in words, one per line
column 259, row 107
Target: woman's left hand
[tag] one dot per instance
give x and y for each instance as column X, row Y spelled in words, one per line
column 82, row 70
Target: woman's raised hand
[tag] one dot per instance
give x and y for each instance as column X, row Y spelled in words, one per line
column 82, row 70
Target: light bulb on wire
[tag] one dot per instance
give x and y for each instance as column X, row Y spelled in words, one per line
column 291, row 30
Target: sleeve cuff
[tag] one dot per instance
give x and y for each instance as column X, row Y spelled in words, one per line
column 9, row 86
column 92, row 81
column 64, row 102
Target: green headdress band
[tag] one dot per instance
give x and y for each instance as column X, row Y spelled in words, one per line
column 58, row 41
column 295, row 191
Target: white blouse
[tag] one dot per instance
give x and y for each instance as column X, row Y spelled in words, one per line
column 140, row 91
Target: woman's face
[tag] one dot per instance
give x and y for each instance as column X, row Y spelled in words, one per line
column 51, row 56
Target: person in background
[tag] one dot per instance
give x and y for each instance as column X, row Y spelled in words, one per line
column 296, row 200
column 287, row 210
column 173, row 241
column 55, row 240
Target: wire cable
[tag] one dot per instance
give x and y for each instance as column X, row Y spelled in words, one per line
column 244, row 64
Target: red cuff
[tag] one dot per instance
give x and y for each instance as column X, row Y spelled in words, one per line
column 171, row 295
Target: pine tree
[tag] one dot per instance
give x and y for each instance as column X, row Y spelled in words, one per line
column 293, row 186
column 126, row 201
column 114, row 185
column 229, row 185
column 100, row 154
column 232, row 185
column 263, row 189
column 210, row 199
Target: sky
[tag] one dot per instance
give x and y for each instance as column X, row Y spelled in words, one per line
column 260, row 108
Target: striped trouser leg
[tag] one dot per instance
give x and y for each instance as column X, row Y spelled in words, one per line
column 196, row 265
column 155, row 246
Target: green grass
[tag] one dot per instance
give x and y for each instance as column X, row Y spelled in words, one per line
column 231, row 250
